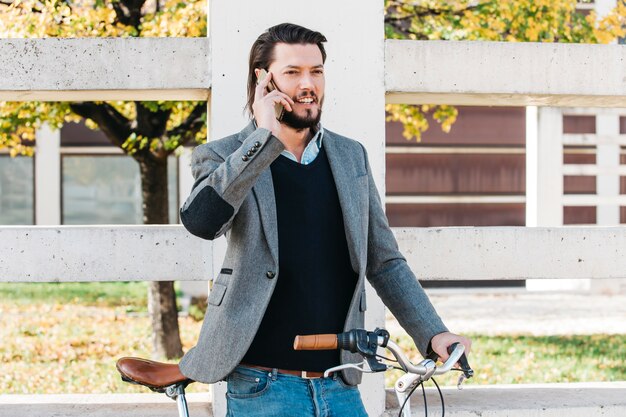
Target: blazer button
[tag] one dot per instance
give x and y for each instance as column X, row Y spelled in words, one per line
column 249, row 153
column 270, row 274
column 245, row 158
column 257, row 144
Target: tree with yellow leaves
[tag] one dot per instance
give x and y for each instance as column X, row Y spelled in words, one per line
column 147, row 131
column 490, row 20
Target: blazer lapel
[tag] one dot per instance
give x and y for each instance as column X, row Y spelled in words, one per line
column 264, row 193
column 345, row 174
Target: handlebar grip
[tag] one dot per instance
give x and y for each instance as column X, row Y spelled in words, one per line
column 452, row 347
column 315, row 342
column 463, row 362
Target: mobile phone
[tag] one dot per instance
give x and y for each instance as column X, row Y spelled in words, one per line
column 279, row 110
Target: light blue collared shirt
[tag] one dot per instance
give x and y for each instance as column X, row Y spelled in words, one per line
column 312, row 148
column 311, row 151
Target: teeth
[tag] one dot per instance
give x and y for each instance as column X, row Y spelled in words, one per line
column 305, row 100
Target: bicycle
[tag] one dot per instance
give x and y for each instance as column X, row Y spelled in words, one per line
column 167, row 378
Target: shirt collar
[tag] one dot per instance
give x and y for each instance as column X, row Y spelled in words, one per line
column 311, row 150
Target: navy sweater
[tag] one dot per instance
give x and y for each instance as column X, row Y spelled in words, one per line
column 316, row 281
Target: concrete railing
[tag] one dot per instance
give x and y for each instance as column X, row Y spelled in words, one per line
column 502, row 73
column 56, row 69
column 128, row 253
column 149, row 253
column 102, row 253
column 505, row 73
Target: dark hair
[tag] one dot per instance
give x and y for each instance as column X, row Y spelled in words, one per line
column 262, row 51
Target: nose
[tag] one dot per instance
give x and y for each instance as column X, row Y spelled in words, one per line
column 306, row 82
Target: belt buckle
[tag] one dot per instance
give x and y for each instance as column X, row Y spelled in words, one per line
column 304, row 375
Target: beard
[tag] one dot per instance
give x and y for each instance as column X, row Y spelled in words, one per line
column 298, row 122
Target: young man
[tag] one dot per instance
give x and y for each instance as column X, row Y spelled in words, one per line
column 305, row 227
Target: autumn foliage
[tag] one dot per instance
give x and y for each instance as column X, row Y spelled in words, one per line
column 52, row 18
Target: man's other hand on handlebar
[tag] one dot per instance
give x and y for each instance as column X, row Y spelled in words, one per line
column 440, row 343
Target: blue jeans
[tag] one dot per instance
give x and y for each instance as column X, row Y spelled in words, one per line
column 256, row 393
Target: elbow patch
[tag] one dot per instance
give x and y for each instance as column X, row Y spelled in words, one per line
column 206, row 214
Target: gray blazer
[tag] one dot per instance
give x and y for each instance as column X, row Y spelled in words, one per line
column 233, row 195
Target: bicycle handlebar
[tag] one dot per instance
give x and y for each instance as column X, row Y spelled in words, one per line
column 368, row 344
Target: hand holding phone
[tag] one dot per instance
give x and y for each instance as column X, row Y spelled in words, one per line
column 269, row 103
column 279, row 109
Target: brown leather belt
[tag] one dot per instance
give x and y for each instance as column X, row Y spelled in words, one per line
column 301, row 374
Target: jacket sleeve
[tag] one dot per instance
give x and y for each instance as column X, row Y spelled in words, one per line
column 393, row 280
column 221, row 184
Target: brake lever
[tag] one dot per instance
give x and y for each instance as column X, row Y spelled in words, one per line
column 459, row 382
column 356, row 366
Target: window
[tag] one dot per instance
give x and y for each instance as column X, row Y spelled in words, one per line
column 16, row 191
column 106, row 189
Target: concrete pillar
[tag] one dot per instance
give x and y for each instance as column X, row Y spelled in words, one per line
column 185, row 178
column 544, row 184
column 532, row 170
column 607, row 185
column 549, row 178
column 48, row 176
column 355, row 91
column 544, row 161
column 544, row 178
column 607, row 156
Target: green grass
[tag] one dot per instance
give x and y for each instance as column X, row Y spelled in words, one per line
column 104, row 294
column 524, row 359
column 65, row 338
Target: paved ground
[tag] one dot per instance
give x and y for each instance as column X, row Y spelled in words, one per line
column 520, row 311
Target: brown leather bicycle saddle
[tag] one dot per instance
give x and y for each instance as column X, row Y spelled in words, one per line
column 154, row 375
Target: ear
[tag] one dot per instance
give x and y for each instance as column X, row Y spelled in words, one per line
column 257, row 71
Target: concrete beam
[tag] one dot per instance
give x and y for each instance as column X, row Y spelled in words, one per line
column 524, row 400
column 101, row 405
column 53, row 69
column 102, row 253
column 505, row 73
column 437, row 72
column 153, row 253
column 607, row 399
column 512, row 253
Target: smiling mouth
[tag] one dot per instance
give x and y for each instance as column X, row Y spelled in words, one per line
column 305, row 100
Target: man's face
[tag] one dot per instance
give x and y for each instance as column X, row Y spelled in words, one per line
column 298, row 71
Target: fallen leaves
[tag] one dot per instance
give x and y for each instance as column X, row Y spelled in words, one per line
column 50, row 344
column 72, row 348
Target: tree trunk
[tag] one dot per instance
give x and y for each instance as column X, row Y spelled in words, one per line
column 161, row 295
